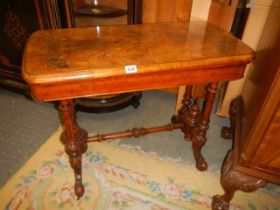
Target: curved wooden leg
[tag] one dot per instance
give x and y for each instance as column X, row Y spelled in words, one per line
column 232, row 181
column 74, row 139
column 198, row 141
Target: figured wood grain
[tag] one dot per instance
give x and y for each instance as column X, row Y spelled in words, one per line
column 92, row 60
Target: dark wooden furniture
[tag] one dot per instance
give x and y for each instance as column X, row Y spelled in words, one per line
column 61, row 65
column 255, row 123
column 17, row 22
column 19, row 19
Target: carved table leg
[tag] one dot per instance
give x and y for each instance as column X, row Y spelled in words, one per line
column 232, row 181
column 74, row 139
column 194, row 123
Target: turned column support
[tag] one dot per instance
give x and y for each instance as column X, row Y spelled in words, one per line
column 199, row 134
column 232, row 181
column 196, row 122
column 75, row 142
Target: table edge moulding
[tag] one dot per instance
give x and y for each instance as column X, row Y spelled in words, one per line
column 65, row 64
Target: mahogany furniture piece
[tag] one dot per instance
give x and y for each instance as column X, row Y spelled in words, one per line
column 255, row 123
column 62, row 65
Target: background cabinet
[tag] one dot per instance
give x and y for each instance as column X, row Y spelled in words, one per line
column 256, row 23
column 18, row 19
column 255, row 158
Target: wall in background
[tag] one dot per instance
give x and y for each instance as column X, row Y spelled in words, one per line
column 259, row 15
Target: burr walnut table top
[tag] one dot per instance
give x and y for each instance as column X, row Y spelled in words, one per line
column 71, row 63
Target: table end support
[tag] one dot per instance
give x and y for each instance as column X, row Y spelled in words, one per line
column 196, row 121
column 75, row 142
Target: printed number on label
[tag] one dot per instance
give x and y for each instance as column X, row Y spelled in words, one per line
column 130, row 69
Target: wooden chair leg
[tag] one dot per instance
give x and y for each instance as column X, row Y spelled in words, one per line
column 75, row 142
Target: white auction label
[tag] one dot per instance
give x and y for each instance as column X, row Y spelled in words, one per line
column 130, row 69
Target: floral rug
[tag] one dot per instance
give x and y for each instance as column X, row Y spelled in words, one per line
column 117, row 178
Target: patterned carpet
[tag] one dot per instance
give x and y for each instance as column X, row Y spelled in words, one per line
column 117, row 178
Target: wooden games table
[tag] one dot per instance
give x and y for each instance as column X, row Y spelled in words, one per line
column 65, row 64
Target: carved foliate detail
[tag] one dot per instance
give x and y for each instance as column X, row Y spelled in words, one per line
column 193, row 115
column 187, row 104
column 232, row 181
column 218, row 203
column 190, row 121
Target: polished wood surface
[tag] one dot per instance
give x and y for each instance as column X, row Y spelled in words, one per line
column 77, row 57
column 155, row 11
column 67, row 64
column 111, row 12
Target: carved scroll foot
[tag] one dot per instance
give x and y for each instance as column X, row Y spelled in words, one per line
column 199, row 140
column 201, row 164
column 195, row 122
column 219, row 203
column 232, row 181
column 75, row 142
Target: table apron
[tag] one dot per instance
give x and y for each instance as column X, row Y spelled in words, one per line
column 132, row 82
